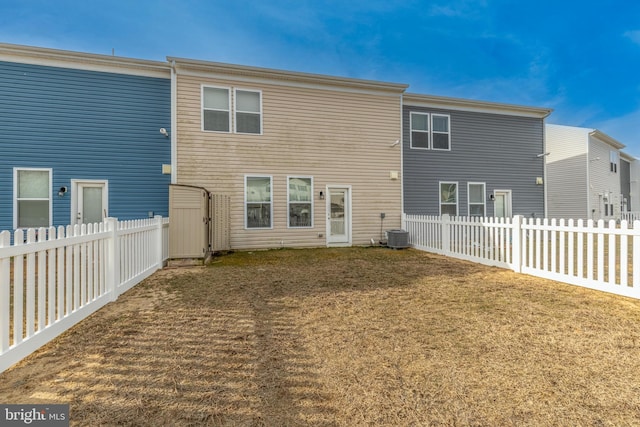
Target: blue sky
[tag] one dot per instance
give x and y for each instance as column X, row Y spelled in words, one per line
column 580, row 58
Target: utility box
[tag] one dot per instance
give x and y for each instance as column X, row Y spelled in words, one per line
column 397, row 239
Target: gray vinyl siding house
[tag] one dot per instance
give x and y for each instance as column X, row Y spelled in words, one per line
column 471, row 158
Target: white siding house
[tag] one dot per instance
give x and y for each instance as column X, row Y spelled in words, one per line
column 583, row 173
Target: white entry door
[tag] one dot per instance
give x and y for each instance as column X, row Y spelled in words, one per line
column 338, row 216
column 90, row 199
column 502, row 203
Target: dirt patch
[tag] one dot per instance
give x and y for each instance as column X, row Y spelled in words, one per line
column 343, row 337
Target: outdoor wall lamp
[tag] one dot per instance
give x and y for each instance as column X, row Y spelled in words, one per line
column 492, row 197
column 321, row 195
column 61, row 191
column 164, row 132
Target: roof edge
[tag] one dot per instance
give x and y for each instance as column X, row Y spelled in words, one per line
column 283, row 75
column 72, row 59
column 606, row 138
column 474, row 105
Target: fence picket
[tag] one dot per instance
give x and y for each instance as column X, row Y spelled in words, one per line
column 5, row 294
column 612, row 253
column 51, row 278
column 18, row 290
column 624, row 253
column 600, row 262
column 61, row 281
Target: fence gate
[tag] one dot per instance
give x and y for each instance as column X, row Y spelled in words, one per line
column 188, row 235
column 199, row 222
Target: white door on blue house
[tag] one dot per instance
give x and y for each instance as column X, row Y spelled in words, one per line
column 89, row 201
column 338, row 216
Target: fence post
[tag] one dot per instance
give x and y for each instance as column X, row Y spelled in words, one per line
column 445, row 232
column 516, row 244
column 5, row 292
column 635, row 260
column 112, row 258
column 158, row 239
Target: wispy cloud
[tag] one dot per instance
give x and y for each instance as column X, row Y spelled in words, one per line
column 634, row 36
column 625, row 129
column 456, row 9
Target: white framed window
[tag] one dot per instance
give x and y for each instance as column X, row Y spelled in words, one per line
column 257, row 202
column 477, row 199
column 440, row 135
column 216, row 114
column 32, row 197
column 430, row 131
column 613, row 161
column 419, row 123
column 300, row 201
column 248, row 110
column 448, row 198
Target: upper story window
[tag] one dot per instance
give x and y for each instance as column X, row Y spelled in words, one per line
column 613, row 161
column 449, row 198
column 419, row 130
column 219, row 111
column 430, row 131
column 32, row 190
column 248, row 111
column 441, row 137
column 300, row 195
column 215, row 109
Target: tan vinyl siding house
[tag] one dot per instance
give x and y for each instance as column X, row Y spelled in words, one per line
column 290, row 144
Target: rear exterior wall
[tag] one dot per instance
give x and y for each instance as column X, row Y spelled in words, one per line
column 501, row 151
column 86, row 125
column 336, row 136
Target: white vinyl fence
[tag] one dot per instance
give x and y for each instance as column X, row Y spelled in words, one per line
column 596, row 255
column 52, row 278
column 630, row 216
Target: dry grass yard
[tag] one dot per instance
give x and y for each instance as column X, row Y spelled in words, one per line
column 344, row 337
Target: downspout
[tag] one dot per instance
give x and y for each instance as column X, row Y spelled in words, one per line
column 402, row 220
column 589, row 213
column 174, row 124
column 544, row 167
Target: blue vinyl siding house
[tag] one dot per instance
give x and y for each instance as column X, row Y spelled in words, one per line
column 472, row 158
column 79, row 137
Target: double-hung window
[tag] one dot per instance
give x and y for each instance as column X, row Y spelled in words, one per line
column 221, row 114
column 300, row 198
column 477, row 201
column 32, row 189
column 216, row 115
column 440, row 135
column 258, row 206
column 248, row 107
column 430, row 131
column 449, row 198
column 419, row 130
column 613, row 161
